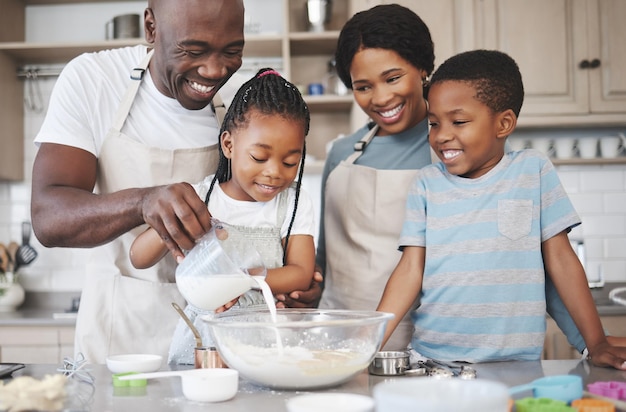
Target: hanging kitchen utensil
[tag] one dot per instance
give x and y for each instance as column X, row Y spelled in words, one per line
column 25, row 253
column 33, row 99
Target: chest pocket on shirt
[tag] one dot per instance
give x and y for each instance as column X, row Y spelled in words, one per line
column 515, row 217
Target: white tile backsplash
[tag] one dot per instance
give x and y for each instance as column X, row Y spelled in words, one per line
column 599, row 196
column 608, row 179
column 614, row 203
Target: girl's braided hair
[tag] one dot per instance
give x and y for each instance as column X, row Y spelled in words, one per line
column 267, row 93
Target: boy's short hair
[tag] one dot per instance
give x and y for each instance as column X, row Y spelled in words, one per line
column 494, row 75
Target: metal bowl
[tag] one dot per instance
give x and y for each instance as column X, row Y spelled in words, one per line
column 390, row 363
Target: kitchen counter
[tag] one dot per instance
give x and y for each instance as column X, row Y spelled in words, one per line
column 165, row 394
column 43, row 309
column 37, row 317
column 605, row 306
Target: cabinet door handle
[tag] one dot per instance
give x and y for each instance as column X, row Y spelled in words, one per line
column 586, row 64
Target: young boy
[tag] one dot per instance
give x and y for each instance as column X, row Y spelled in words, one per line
column 484, row 228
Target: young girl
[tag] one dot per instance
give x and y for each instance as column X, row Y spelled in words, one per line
column 262, row 149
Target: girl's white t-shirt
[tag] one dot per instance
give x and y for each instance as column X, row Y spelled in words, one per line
column 259, row 214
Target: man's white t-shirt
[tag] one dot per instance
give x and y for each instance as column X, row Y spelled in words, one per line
column 88, row 93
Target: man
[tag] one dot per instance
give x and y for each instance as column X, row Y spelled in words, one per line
column 124, row 126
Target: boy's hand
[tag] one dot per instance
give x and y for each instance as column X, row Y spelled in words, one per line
column 607, row 355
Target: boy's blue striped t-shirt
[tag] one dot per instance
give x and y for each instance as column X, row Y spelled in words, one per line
column 483, row 296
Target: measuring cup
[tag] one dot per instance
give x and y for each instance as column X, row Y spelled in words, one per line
column 221, row 267
column 200, row 385
column 564, row 388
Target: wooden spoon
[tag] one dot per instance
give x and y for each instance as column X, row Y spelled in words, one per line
column 13, row 246
column 4, row 258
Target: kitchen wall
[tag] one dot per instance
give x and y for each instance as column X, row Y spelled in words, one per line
column 598, row 191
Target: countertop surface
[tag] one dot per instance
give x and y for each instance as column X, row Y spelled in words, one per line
column 607, row 307
column 165, row 394
column 37, row 317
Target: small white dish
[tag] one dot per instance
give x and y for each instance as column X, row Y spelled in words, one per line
column 331, row 402
column 138, row 362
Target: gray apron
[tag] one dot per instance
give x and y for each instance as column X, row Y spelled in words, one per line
column 362, row 232
column 123, row 309
column 268, row 242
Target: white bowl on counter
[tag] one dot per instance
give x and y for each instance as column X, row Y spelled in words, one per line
column 136, row 362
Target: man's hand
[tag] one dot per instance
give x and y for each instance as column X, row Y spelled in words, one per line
column 303, row 298
column 66, row 213
column 177, row 213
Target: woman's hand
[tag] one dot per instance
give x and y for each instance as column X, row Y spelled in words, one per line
column 309, row 298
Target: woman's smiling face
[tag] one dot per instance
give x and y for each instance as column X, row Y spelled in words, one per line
column 388, row 89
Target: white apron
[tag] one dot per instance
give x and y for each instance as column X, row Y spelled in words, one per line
column 123, row 309
column 362, row 232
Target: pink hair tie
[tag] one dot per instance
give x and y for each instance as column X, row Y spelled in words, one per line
column 268, row 72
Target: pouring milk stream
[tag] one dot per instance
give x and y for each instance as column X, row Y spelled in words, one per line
column 212, row 274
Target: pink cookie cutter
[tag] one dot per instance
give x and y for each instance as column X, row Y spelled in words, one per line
column 609, row 389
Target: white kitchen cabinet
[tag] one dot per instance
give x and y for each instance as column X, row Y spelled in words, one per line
column 36, row 344
column 11, row 98
column 571, row 54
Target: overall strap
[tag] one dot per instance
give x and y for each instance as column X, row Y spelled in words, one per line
column 281, row 210
column 359, row 146
column 136, row 76
column 219, row 108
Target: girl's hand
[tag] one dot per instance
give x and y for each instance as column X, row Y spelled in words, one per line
column 227, row 306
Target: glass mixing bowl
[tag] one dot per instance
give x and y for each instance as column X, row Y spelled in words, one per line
column 304, row 349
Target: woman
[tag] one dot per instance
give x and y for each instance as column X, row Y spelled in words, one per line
column 367, row 174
